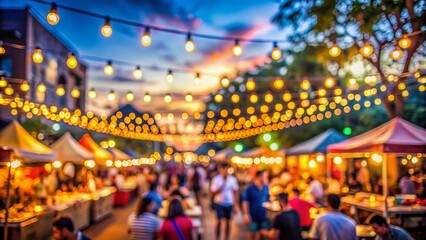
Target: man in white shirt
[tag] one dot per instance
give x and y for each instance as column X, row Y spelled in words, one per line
column 333, row 225
column 316, row 190
column 224, row 188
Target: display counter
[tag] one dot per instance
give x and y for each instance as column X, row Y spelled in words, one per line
column 102, row 204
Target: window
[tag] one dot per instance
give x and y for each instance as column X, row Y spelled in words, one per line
column 6, row 67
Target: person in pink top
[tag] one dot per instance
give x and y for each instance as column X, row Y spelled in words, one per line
column 302, row 208
column 177, row 226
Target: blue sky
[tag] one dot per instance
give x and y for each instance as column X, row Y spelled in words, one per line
column 236, row 18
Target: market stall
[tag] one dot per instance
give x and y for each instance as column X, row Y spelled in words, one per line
column 19, row 149
column 224, row 155
column 386, row 148
column 101, row 155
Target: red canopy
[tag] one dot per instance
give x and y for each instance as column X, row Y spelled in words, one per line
column 395, row 136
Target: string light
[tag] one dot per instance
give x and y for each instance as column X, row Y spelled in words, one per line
column 188, row 97
column 137, row 73
column 112, row 96
column 197, row 79
column 109, row 69
column 9, row 90
column 276, row 52
column 60, row 91
column 237, row 50
column 189, row 45
column 225, row 82
column 37, row 55
column 75, row 92
column 404, row 42
column 25, row 87
column 335, row 50
column 147, row 98
column 278, row 83
column 52, row 16
column 250, row 84
column 396, row 53
column 130, row 97
column 146, row 38
column 167, row 98
column 3, row 82
column 92, row 93
column 169, row 76
column 72, row 61
column 106, row 29
column 41, row 88
column 218, row 98
column 329, row 82
column 366, row 50
column 305, row 85
column 2, row 50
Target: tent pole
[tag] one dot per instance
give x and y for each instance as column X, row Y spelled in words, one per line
column 385, row 185
column 9, row 179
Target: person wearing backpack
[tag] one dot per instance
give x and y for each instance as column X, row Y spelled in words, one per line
column 177, row 226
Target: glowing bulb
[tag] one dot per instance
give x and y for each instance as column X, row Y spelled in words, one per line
column 366, row 50
column 130, row 97
column 188, row 97
column 75, row 93
column 9, row 90
column 197, row 79
column 109, row 69
column 278, row 83
column 167, row 98
column 377, row 158
column 146, row 38
column 396, row 54
column 237, row 50
column 41, row 88
column 137, row 73
column 189, row 45
column 225, row 82
column 338, row 160
column 25, row 87
column 320, row 158
column 112, row 96
column 37, row 55
column 404, row 42
column 52, row 16
column 329, row 82
column 169, row 76
column 305, row 85
column 15, row 163
column 276, row 52
column 3, row 82
column 72, row 61
column 108, row 163
column 335, row 50
column 60, row 91
column 2, row 50
column 106, row 29
column 312, row 163
column 250, row 85
column 147, row 98
column 218, row 98
column 57, row 164
column 89, row 163
column 92, row 93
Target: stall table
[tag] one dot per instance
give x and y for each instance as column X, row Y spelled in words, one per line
column 102, row 204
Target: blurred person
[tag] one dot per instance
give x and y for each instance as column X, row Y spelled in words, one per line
column 333, row 225
column 418, row 181
column 197, row 177
column 144, row 224
column 253, row 212
column 63, row 229
column 286, row 225
column 407, row 186
column 224, row 188
column 385, row 231
column 41, row 189
column 316, row 190
column 176, row 182
column 177, row 225
column 155, row 195
column 302, row 208
column 362, row 176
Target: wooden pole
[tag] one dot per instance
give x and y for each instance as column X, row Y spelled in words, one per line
column 9, row 178
column 385, row 185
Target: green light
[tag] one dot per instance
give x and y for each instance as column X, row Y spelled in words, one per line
column 274, row 146
column 238, row 147
column 267, row 137
column 347, row 131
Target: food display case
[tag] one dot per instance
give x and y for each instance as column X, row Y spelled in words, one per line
column 102, row 204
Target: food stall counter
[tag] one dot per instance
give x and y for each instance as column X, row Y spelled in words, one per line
column 102, row 204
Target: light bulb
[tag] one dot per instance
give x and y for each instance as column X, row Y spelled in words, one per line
column 329, row 82
column 2, row 50
column 169, row 76
column 250, row 84
column 137, row 73
column 404, row 42
column 3, row 82
column 146, row 38
column 188, row 97
column 218, row 98
column 106, row 29
column 225, row 82
column 60, row 91
column 41, row 88
column 366, row 50
column 37, row 55
column 75, row 93
column 189, row 45
column 167, row 98
column 9, row 90
column 276, row 52
column 197, row 79
column 109, row 69
column 52, row 16
column 112, row 96
column 92, row 93
column 396, row 54
column 72, row 61
column 147, row 98
column 335, row 50
column 305, row 85
column 25, row 87
column 278, row 83
column 237, row 50
column 130, row 97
